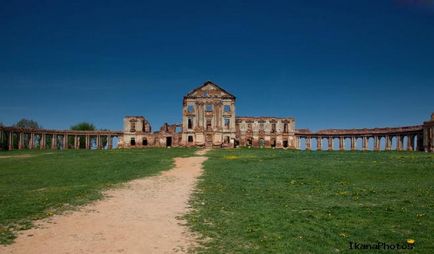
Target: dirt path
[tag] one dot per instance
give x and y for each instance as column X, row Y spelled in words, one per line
column 138, row 218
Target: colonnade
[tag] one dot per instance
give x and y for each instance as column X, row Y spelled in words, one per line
column 411, row 145
column 39, row 138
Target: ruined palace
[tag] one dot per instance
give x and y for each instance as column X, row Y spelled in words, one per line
column 209, row 120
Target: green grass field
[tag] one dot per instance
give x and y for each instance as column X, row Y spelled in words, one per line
column 275, row 201
column 49, row 182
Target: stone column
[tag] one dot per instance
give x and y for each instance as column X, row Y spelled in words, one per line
column 98, row 142
column 65, row 141
column 308, row 143
column 43, row 141
column 376, row 143
column 319, row 143
column 330, row 143
column 410, row 142
column 109, row 142
column 365, row 144
column 353, row 143
column 75, row 142
column 31, row 140
column 54, row 142
column 341, row 143
column 87, row 142
column 21, row 141
column 388, row 143
column 297, row 143
column 399, row 143
column 10, row 141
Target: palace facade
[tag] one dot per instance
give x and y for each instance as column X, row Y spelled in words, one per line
column 209, row 120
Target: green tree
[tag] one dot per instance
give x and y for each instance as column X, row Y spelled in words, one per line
column 27, row 123
column 83, row 126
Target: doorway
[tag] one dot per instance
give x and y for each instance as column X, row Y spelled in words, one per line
column 168, row 141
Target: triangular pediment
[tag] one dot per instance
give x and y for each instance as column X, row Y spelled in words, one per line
column 209, row 89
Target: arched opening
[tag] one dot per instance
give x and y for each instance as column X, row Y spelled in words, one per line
column 227, row 140
column 236, row 143
column 314, row 144
column 249, row 142
column 336, row 144
column 394, row 143
column 261, row 143
column 405, row 143
column 168, row 141
column 371, row 142
column 302, row 143
column 132, row 141
column 115, row 142
column 382, row 141
column 325, row 144
column 190, row 123
column 190, row 139
column 415, row 143
column 273, row 143
column 145, row 142
column 359, row 143
column 37, row 141
column 347, row 144
column 285, row 143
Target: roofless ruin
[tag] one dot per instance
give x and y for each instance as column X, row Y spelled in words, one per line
column 209, row 120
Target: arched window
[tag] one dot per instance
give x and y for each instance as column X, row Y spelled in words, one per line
column 190, row 123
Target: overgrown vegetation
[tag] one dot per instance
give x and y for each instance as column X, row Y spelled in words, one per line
column 270, row 201
column 27, row 123
column 83, row 126
column 35, row 184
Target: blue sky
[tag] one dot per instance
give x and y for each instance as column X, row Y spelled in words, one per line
column 329, row 64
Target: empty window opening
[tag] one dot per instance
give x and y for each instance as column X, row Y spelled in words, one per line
column 273, row 127
column 133, row 141
column 205, row 93
column 285, row 127
column 190, row 108
column 190, row 123
column 285, row 143
column 190, row 139
column 227, row 123
column 227, row 108
column 132, row 126
column 208, row 108
column 273, row 143
column 208, row 124
column 144, row 142
column 227, row 140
